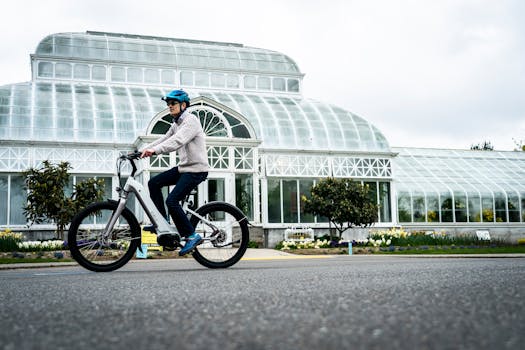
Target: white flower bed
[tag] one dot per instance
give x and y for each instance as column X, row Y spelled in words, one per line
column 29, row 246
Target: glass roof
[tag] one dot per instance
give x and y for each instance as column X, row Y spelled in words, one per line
column 439, row 171
column 137, row 49
column 72, row 112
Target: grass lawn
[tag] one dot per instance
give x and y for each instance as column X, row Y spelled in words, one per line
column 457, row 250
column 413, row 250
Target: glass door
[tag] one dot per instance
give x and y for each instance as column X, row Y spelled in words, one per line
column 218, row 187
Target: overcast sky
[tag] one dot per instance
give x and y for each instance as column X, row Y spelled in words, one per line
column 446, row 74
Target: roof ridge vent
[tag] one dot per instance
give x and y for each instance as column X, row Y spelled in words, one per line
column 161, row 38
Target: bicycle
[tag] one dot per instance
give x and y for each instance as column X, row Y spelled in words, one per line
column 104, row 236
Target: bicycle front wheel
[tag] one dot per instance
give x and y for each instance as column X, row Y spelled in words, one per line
column 99, row 251
column 225, row 232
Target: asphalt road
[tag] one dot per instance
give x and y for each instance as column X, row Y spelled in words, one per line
column 345, row 302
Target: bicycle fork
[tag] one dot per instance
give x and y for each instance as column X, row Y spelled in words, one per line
column 114, row 217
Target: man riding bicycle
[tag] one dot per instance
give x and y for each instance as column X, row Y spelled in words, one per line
column 187, row 138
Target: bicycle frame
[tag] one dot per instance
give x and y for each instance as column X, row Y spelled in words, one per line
column 156, row 218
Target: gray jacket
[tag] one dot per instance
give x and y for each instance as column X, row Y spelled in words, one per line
column 188, row 139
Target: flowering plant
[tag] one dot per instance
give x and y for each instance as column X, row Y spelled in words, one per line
column 400, row 237
column 36, row 246
column 308, row 244
column 9, row 240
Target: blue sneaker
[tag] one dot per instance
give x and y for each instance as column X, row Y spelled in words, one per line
column 191, row 242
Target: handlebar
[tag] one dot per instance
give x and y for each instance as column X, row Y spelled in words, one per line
column 131, row 157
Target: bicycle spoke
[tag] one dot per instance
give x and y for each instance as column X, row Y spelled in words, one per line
column 225, row 233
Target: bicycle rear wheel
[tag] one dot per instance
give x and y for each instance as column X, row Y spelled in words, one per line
column 225, row 232
column 95, row 251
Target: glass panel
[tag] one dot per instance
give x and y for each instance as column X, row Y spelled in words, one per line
column 501, row 211
column 107, row 186
column 81, row 71
column 514, row 207
column 290, row 207
column 202, row 79
column 17, row 201
column 63, row 70
column 522, row 194
column 487, row 205
column 186, row 78
column 45, row 69
column 98, row 73
column 293, row 85
column 264, row 83
column 135, row 75
column 446, row 207
column 384, row 202
column 216, row 190
column 474, row 207
column 432, row 207
column 279, row 84
column 244, row 194
column 249, row 82
column 372, row 191
column 118, row 74
column 404, row 209
column 162, row 125
column 418, row 204
column 247, row 60
column 63, row 45
column 460, row 206
column 218, row 80
column 232, row 81
column 3, row 199
column 151, row 76
column 304, row 190
column 168, row 77
column 274, row 200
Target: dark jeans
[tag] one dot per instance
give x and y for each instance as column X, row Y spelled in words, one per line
column 184, row 183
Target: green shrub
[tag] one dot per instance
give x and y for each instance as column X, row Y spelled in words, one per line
column 253, row 244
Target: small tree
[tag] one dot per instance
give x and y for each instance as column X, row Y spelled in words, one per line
column 520, row 145
column 483, row 146
column 344, row 202
column 46, row 199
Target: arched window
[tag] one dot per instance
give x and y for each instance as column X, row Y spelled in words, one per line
column 215, row 122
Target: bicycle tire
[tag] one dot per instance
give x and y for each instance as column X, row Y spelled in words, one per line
column 232, row 240
column 89, row 248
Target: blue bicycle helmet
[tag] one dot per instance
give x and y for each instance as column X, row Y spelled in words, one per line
column 177, row 95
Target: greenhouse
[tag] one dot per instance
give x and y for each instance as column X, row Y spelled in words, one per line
column 94, row 95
